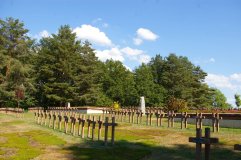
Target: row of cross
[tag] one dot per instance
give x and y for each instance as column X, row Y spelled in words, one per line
column 55, row 120
column 159, row 114
column 18, row 112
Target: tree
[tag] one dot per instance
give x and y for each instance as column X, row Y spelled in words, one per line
column 154, row 93
column 15, row 66
column 176, row 104
column 218, row 99
column 181, row 79
column 66, row 70
column 237, row 100
column 118, row 83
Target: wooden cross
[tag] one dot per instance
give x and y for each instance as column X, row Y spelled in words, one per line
column 93, row 128
column 129, row 115
column 45, row 118
column 35, row 116
column 93, row 122
column 138, row 115
column 82, row 127
column 170, row 116
column 199, row 140
column 60, row 120
column 132, row 116
column 147, row 117
column 42, row 116
column 199, row 117
column 106, row 124
column 184, row 117
column 73, row 121
column 66, row 120
column 88, row 125
column 100, row 125
column 54, row 120
column 215, row 121
column 125, row 112
column 38, row 114
column 157, row 114
column 79, row 124
column 122, row 113
column 50, row 116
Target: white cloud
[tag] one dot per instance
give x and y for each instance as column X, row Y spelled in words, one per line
column 229, row 85
column 128, row 68
column 92, row 34
column 144, row 58
column 131, row 52
column 105, row 25
column 146, row 34
column 44, row 34
column 137, row 41
column 236, row 77
column 122, row 53
column 113, row 53
column 219, row 81
column 99, row 21
column 211, row 60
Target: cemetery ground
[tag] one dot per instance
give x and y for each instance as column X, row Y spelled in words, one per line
column 23, row 139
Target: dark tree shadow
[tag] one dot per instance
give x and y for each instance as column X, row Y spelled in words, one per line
column 124, row 150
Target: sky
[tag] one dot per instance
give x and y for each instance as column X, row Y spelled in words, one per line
column 208, row 32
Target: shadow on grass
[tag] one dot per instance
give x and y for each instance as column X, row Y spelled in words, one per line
column 124, row 150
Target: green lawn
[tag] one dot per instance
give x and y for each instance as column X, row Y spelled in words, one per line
column 23, row 139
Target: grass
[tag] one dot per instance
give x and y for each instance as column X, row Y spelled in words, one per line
column 22, row 138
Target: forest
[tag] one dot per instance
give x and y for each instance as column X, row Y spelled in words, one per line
column 59, row 69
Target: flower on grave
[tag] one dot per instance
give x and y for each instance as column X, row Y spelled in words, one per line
column 116, row 105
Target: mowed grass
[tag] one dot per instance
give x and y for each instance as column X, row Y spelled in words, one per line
column 23, row 139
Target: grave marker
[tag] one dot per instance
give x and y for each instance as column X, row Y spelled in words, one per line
column 106, row 124
column 199, row 140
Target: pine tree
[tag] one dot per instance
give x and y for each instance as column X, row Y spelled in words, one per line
column 145, row 85
column 15, row 67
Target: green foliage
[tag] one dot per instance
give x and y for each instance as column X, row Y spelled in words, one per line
column 218, row 99
column 237, row 100
column 15, row 67
column 153, row 92
column 118, row 83
column 66, row 70
column 181, row 79
column 175, row 104
column 61, row 69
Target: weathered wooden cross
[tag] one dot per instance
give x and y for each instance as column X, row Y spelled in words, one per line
column 60, row 120
column 99, row 121
column 107, row 124
column 50, row 117
column 170, row 117
column 66, row 121
column 54, row 120
column 199, row 117
column 215, row 121
column 73, row 121
column 139, row 116
column 199, row 140
column 45, row 118
column 147, row 117
column 184, row 118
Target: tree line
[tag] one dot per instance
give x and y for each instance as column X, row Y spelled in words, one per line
column 60, row 69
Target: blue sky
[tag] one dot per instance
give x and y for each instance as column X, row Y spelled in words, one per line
column 208, row 32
